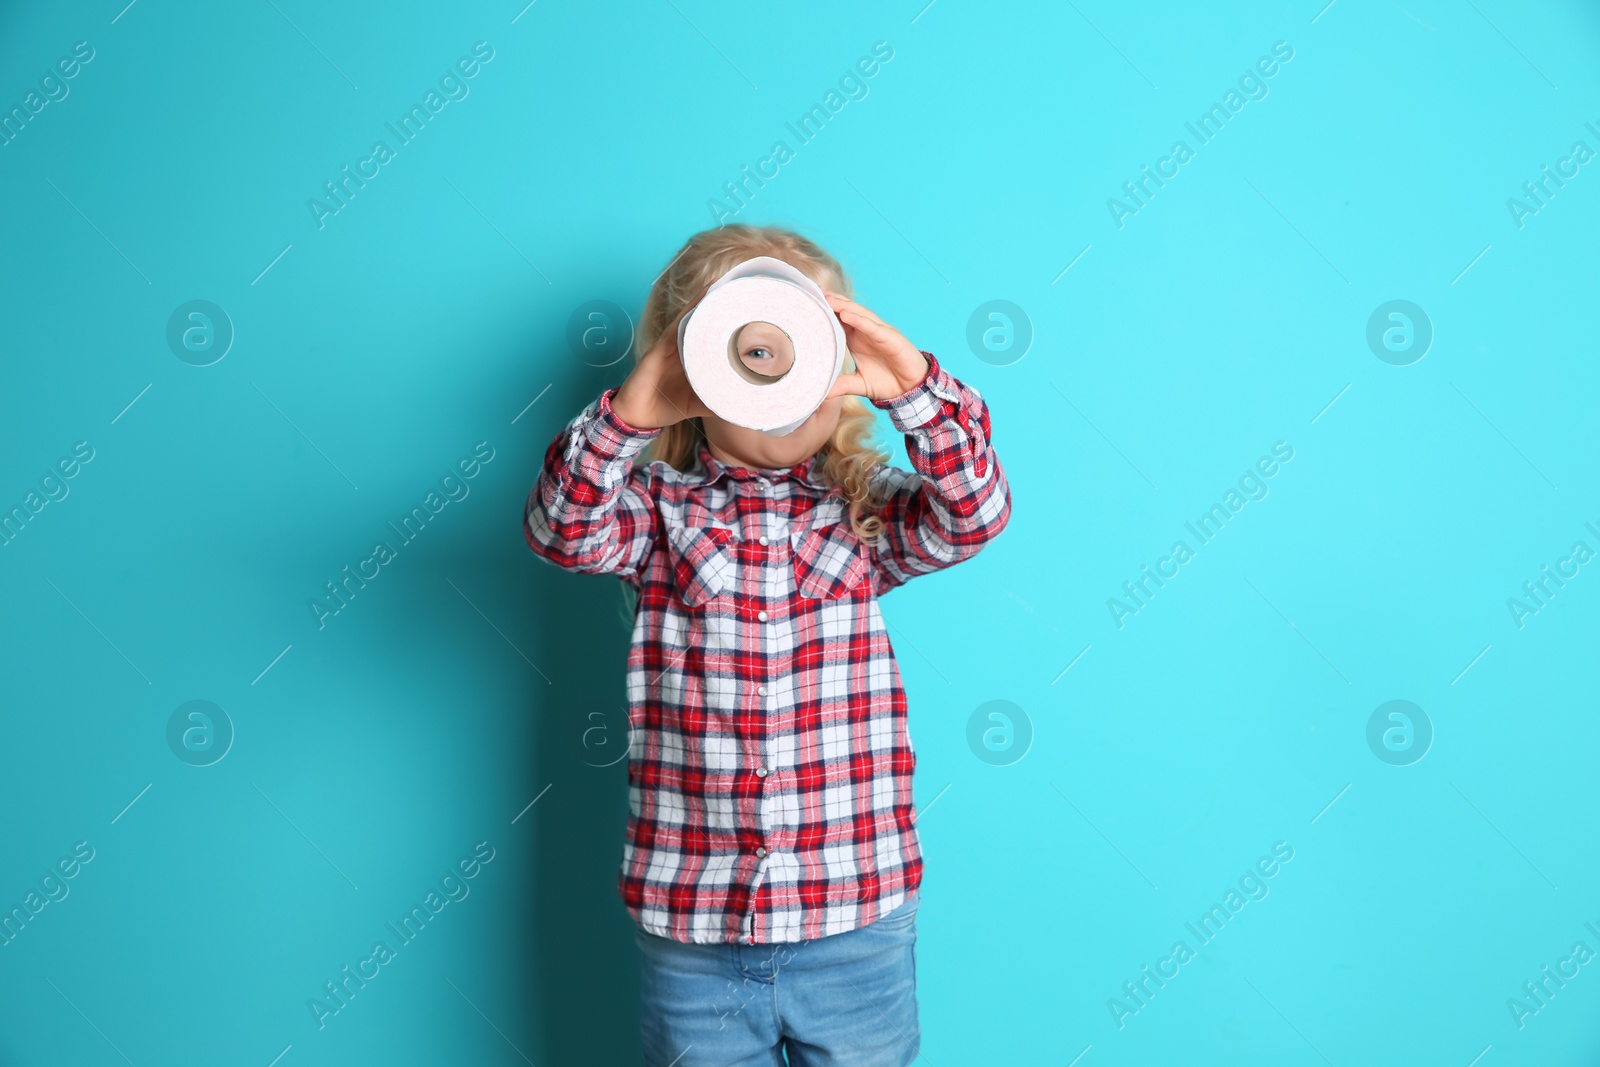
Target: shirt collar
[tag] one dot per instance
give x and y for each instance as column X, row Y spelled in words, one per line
column 808, row 472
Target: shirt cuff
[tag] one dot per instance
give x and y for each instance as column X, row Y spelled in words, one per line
column 936, row 396
column 608, row 435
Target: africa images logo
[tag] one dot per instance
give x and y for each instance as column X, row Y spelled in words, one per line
column 452, row 87
column 1211, row 122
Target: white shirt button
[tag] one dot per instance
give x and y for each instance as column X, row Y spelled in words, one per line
column 762, row 539
column 761, row 772
column 761, row 852
column 762, row 690
column 761, row 615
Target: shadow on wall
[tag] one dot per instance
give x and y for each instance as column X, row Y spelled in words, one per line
column 577, row 945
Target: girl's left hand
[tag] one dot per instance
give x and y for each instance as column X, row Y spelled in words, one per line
column 887, row 365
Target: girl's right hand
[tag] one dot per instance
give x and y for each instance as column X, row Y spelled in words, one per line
column 657, row 392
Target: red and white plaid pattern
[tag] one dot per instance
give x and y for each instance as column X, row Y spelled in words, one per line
column 769, row 770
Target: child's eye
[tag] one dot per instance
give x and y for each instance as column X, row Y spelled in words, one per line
column 759, row 353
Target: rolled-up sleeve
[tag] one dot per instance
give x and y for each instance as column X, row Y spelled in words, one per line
column 956, row 498
column 589, row 511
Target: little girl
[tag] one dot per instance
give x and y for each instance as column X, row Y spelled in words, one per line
column 771, row 862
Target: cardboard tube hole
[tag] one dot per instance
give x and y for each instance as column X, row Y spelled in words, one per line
column 761, row 353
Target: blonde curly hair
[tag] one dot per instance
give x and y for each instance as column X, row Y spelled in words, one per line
column 850, row 460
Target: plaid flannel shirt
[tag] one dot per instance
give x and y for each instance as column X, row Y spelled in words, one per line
column 769, row 770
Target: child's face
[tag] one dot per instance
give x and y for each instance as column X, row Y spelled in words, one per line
column 741, row 446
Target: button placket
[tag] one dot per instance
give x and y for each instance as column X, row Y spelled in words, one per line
column 769, row 525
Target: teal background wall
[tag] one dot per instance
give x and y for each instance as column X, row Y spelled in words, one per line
column 468, row 701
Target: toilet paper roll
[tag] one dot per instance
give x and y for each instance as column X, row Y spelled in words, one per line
column 762, row 289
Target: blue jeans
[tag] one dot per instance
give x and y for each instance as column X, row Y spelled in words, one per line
column 845, row 1000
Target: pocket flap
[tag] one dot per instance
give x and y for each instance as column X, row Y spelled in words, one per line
column 829, row 561
column 701, row 562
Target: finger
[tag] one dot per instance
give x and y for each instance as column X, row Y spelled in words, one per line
column 697, row 407
column 841, row 304
column 881, row 334
column 680, row 316
column 852, row 338
column 664, row 348
column 857, row 313
column 862, row 332
column 848, row 384
column 666, row 344
column 838, row 300
column 669, row 337
column 690, row 306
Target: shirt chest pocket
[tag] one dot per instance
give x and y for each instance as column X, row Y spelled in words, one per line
column 702, row 563
column 829, row 561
